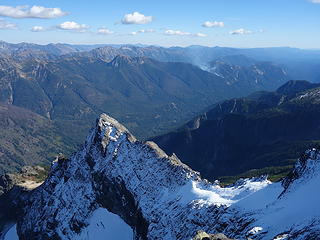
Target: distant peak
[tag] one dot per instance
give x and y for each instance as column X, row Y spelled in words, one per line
column 295, row 86
column 109, row 130
column 121, row 60
column 105, row 124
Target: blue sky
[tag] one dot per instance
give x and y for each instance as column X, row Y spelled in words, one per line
column 234, row 23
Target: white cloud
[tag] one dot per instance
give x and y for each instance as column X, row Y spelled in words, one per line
column 73, row 26
column 143, row 31
column 209, row 24
column 38, row 29
column 7, row 25
column 136, row 18
column 146, row 31
column 314, row 1
column 104, row 31
column 181, row 33
column 33, row 12
column 200, row 35
column 176, row 32
column 241, row 31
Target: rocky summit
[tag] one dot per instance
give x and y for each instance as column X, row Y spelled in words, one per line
column 116, row 178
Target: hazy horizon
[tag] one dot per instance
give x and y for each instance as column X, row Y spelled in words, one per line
column 153, row 45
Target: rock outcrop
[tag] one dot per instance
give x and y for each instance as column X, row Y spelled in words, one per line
column 15, row 190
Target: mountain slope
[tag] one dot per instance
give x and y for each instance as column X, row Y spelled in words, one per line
column 241, row 71
column 137, row 90
column 27, row 138
column 266, row 129
column 159, row 197
column 151, row 97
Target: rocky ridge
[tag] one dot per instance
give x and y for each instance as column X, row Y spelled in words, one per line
column 161, row 198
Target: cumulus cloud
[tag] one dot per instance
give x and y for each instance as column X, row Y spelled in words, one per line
column 176, row 32
column 33, row 12
column 38, row 29
column 143, row 31
column 181, row 33
column 241, row 31
column 104, row 31
column 73, row 26
column 7, row 25
column 136, row 18
column 210, row 24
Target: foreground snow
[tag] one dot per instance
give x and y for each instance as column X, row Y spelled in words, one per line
column 296, row 208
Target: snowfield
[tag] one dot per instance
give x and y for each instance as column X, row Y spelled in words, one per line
column 214, row 194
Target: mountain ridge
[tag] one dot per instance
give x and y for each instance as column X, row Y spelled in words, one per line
column 264, row 129
column 172, row 203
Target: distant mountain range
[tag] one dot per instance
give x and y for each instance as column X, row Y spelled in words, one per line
column 22, row 51
column 263, row 130
column 152, row 90
column 299, row 63
column 140, row 91
column 70, row 86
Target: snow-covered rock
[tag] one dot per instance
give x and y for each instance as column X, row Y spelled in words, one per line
column 161, row 198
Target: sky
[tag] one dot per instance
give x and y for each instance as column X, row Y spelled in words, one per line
column 226, row 23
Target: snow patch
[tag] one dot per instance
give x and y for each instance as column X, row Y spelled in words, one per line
column 216, row 195
column 255, row 230
column 282, row 237
column 105, row 225
column 29, row 184
column 260, row 199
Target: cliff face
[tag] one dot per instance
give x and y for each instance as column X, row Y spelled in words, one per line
column 159, row 197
